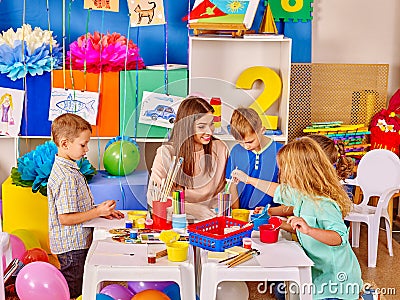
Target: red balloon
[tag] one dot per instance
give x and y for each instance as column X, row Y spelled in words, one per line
column 34, row 254
column 150, row 294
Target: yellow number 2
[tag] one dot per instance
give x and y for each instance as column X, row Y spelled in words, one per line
column 270, row 94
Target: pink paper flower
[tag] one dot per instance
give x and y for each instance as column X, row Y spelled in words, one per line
column 107, row 52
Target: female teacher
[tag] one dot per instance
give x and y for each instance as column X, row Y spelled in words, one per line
column 202, row 173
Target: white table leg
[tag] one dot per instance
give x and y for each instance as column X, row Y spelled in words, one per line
column 209, row 283
column 305, row 283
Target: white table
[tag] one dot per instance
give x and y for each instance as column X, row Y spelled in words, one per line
column 108, row 260
column 281, row 261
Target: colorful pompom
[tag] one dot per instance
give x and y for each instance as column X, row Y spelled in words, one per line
column 34, row 168
column 28, row 51
column 105, row 52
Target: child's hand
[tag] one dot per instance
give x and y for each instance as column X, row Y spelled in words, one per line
column 239, row 176
column 106, row 208
column 117, row 214
column 299, row 224
column 258, row 210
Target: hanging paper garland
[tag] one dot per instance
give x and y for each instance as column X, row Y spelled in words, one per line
column 288, row 10
column 104, row 52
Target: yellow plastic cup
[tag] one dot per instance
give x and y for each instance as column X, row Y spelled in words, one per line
column 241, row 214
column 177, row 251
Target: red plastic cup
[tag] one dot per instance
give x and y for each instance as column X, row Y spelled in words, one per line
column 269, row 233
column 160, row 215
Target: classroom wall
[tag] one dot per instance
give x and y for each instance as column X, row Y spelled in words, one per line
column 358, row 31
column 151, row 39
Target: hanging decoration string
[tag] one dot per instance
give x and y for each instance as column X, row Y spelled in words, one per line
column 69, row 42
column 99, row 89
column 63, row 40
column 166, row 48
column 136, row 103
column 51, row 43
column 25, row 88
column 87, row 43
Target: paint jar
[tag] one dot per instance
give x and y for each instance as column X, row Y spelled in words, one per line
column 133, row 234
column 247, row 243
column 128, row 224
column 151, row 256
column 241, row 214
column 149, row 223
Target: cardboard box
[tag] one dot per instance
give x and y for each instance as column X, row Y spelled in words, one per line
column 36, row 108
column 23, row 209
column 129, row 191
column 108, row 111
column 130, row 102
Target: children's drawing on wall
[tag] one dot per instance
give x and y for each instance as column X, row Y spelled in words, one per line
column 159, row 109
column 146, row 12
column 223, row 11
column 107, row 5
column 11, row 105
column 82, row 103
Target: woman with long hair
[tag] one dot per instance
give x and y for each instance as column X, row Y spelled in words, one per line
column 202, row 174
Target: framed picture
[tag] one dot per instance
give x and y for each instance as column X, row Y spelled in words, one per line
column 239, row 12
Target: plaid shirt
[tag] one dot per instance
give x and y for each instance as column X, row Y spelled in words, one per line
column 67, row 192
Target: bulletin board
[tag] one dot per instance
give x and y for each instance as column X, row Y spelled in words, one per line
column 351, row 93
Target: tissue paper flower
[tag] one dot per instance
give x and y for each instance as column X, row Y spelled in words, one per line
column 34, row 168
column 28, row 51
column 105, row 52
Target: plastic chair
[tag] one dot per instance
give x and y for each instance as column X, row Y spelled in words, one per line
column 378, row 175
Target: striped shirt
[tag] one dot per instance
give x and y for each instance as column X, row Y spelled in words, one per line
column 67, row 192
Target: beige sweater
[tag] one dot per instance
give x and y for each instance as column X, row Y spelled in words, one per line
column 204, row 185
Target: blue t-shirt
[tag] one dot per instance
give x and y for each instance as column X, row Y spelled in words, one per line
column 260, row 165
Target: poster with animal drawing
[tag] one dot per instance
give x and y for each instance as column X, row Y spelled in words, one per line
column 11, row 105
column 107, row 5
column 159, row 109
column 82, row 103
column 146, row 12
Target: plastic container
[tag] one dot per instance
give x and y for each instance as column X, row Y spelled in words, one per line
column 137, row 216
column 209, row 234
column 177, row 251
column 179, row 222
column 160, row 214
column 257, row 221
column 269, row 233
column 247, row 242
column 240, row 214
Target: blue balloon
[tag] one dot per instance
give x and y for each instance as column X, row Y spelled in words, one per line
column 103, row 297
column 172, row 291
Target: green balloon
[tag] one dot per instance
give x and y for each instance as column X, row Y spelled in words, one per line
column 121, row 158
